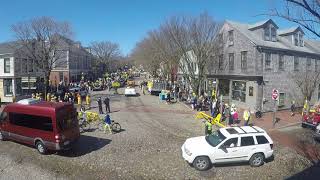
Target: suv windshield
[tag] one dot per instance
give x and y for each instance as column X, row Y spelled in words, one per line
column 215, row 138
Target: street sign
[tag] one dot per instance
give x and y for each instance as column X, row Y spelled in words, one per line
column 275, row 94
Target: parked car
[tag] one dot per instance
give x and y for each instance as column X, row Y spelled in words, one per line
column 226, row 145
column 311, row 119
column 129, row 91
column 45, row 125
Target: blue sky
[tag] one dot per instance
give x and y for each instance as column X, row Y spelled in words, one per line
column 127, row 21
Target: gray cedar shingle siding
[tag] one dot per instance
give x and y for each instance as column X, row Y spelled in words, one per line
column 253, row 42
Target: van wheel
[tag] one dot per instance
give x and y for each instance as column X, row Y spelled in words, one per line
column 41, row 148
column 256, row 160
column 202, row 163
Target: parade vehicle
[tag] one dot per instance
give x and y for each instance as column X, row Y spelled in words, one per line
column 312, row 118
column 45, row 125
column 155, row 87
column 130, row 91
column 317, row 134
column 228, row 145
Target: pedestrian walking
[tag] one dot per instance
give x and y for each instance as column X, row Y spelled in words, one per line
column 200, row 103
column 107, row 124
column 194, row 101
column 293, row 108
column 107, row 104
column 100, row 105
column 246, row 117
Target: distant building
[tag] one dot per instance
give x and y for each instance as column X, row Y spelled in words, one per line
column 258, row 58
column 20, row 76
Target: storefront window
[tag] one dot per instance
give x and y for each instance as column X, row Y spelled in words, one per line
column 239, row 91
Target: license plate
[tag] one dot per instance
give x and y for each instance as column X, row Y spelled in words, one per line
column 66, row 143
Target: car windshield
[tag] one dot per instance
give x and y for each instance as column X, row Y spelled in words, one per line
column 215, row 138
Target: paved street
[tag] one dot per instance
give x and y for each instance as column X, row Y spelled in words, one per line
column 147, row 148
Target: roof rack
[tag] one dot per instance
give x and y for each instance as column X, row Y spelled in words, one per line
column 245, row 132
column 28, row 101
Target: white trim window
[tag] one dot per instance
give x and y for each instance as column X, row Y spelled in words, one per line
column 281, row 62
column 270, row 33
column 7, row 87
column 267, row 61
column 244, row 60
column 6, row 65
column 230, row 37
column 231, row 61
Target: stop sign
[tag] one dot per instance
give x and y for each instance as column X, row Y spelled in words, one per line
column 275, row 94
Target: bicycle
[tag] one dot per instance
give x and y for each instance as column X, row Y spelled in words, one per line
column 84, row 125
column 115, row 126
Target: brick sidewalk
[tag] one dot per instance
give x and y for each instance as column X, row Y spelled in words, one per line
column 284, row 119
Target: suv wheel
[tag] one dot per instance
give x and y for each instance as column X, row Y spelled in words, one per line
column 41, row 148
column 256, row 160
column 201, row 163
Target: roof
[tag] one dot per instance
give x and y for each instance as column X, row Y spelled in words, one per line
column 7, row 47
column 38, row 105
column 289, row 31
column 281, row 43
column 262, row 23
column 234, row 131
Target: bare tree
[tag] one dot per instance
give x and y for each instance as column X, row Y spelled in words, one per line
column 196, row 39
column 303, row 12
column 40, row 39
column 147, row 54
column 105, row 52
column 307, row 82
column 188, row 43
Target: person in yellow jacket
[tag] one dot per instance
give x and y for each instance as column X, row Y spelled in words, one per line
column 88, row 101
column 79, row 99
column 48, row 97
column 246, row 117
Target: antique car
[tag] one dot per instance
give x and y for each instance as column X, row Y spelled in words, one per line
column 311, row 118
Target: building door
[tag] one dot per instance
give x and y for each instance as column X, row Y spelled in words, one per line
column 224, row 89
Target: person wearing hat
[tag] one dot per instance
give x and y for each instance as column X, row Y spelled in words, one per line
column 226, row 113
column 100, row 105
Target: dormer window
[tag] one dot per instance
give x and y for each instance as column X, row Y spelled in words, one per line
column 273, row 34
column 230, row 37
column 270, row 33
column 266, row 34
column 298, row 39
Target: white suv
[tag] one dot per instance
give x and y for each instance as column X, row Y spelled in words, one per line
column 230, row 144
